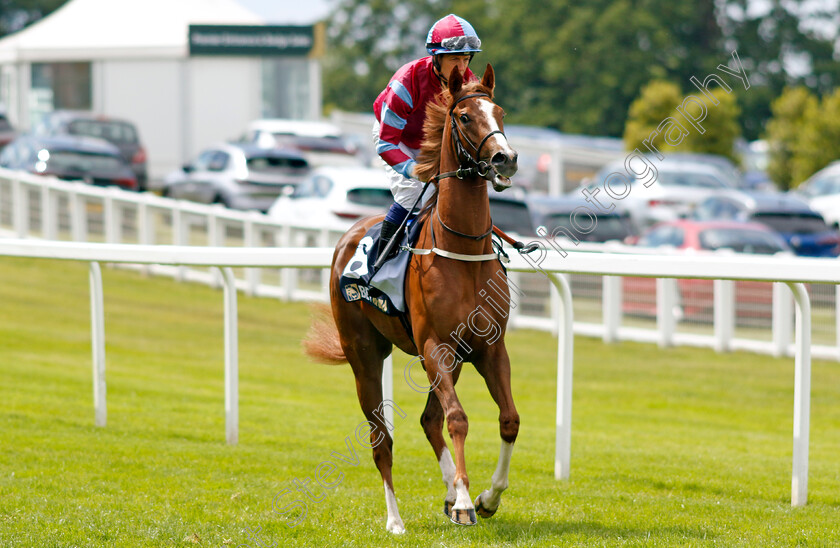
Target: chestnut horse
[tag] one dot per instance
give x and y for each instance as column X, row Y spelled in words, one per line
column 447, row 294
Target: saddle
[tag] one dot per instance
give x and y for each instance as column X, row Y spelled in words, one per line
column 384, row 288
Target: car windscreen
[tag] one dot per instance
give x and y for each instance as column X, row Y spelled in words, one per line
column 275, row 164
column 741, row 241
column 511, row 216
column 333, row 144
column 792, row 223
column 607, row 227
column 377, row 197
column 114, row 132
column 67, row 161
column 696, row 180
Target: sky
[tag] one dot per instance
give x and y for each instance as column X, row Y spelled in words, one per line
column 288, row 11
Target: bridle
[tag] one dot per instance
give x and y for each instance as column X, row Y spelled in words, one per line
column 474, row 165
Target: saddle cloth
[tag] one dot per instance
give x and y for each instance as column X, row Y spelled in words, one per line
column 384, row 288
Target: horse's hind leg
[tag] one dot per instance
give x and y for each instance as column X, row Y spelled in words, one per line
column 495, row 368
column 365, row 351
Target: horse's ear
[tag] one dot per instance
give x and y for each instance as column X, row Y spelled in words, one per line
column 455, row 81
column 489, row 78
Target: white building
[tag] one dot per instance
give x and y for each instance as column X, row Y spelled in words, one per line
column 188, row 72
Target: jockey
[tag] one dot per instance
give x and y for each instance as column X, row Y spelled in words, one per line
column 401, row 109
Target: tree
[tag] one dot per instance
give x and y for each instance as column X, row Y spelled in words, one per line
column 16, row 14
column 655, row 113
column 655, row 104
column 368, row 41
column 818, row 141
column 783, row 130
column 721, row 125
column 577, row 66
column 563, row 64
column 782, row 43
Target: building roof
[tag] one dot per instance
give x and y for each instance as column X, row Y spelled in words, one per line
column 102, row 29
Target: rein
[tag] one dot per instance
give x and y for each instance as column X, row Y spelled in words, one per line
column 461, row 234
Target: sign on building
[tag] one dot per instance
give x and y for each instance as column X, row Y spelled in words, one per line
column 257, row 40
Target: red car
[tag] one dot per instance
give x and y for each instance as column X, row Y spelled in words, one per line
column 753, row 300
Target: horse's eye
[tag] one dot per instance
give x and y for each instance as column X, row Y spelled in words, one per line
column 465, row 119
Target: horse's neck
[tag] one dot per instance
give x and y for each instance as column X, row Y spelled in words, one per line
column 463, row 205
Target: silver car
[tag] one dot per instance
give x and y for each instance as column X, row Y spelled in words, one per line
column 678, row 188
column 237, row 176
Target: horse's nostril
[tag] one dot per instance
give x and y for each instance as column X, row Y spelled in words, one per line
column 500, row 158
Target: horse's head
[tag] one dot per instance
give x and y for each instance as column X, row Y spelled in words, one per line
column 478, row 131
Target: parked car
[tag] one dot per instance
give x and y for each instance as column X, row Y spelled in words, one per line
column 511, row 213
column 93, row 161
column 237, row 176
column 596, row 225
column 727, row 169
column 755, row 159
column 121, row 133
column 335, row 198
column 7, row 132
column 822, row 192
column 321, row 143
column 802, row 228
column 753, row 300
column 678, row 188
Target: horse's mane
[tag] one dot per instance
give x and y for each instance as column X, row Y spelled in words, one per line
column 437, row 116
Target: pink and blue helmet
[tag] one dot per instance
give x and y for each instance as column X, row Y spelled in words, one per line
column 452, row 34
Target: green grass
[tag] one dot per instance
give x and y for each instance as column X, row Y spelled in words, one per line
column 674, row 447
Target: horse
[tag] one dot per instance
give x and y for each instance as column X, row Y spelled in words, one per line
column 457, row 295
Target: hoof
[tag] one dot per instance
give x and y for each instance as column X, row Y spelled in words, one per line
column 447, row 508
column 482, row 510
column 395, row 527
column 463, row 517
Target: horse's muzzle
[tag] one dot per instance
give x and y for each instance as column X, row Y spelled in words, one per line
column 504, row 167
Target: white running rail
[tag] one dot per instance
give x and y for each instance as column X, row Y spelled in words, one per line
column 33, row 206
column 794, row 272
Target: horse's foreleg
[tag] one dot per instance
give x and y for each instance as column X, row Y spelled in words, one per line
column 496, row 373
column 463, row 511
column 432, row 421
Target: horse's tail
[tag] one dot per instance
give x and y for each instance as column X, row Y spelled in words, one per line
column 322, row 343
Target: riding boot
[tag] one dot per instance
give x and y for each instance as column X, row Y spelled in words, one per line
column 385, row 235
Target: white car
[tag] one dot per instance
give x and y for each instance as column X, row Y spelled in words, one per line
column 822, row 192
column 335, row 198
column 322, row 143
